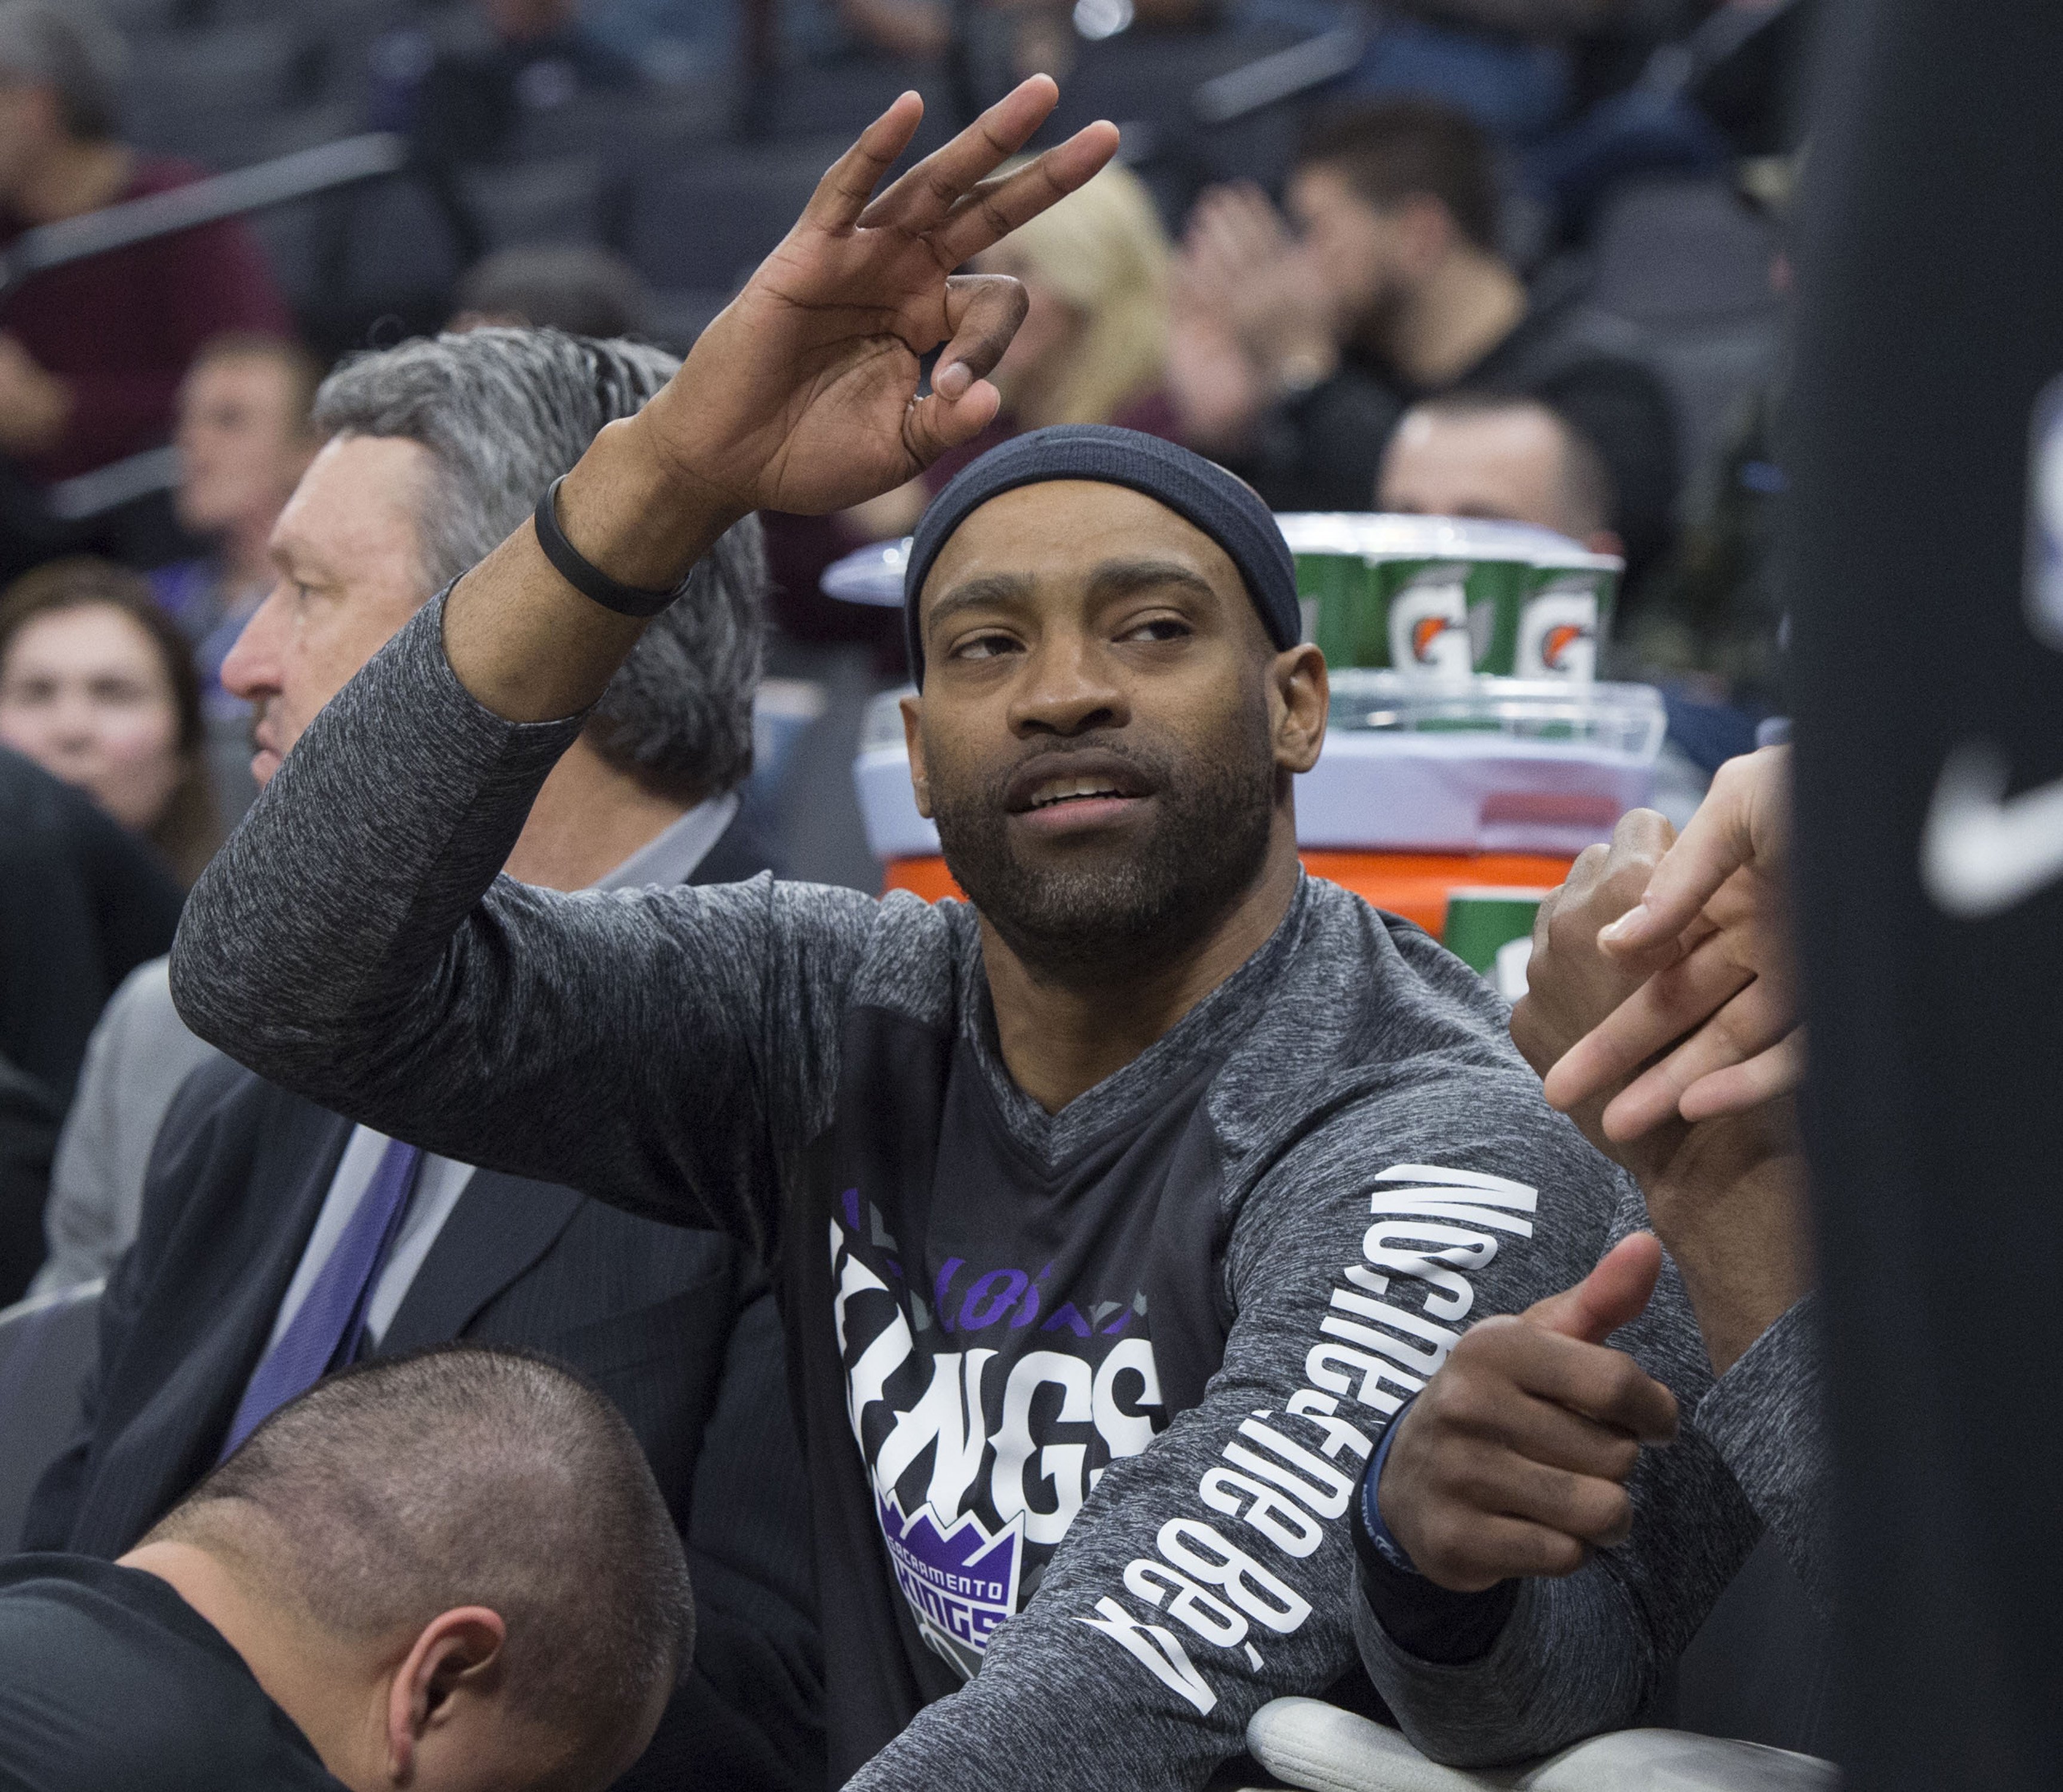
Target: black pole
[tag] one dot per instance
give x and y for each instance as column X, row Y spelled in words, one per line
column 1931, row 323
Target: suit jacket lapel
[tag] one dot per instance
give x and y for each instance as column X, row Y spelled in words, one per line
column 215, row 1297
column 500, row 1226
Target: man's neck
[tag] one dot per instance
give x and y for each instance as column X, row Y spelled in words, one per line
column 73, row 178
column 1464, row 308
column 305, row 1671
column 1060, row 1039
column 588, row 819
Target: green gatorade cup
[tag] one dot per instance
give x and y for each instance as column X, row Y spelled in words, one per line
column 1480, row 921
column 1566, row 614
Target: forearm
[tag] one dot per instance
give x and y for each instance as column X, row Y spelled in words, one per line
column 523, row 641
column 1767, row 1417
column 1731, row 1206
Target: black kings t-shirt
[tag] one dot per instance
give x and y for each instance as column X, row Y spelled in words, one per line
column 1008, row 1325
column 108, row 1678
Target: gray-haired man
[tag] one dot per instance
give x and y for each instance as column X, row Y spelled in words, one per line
column 277, row 1239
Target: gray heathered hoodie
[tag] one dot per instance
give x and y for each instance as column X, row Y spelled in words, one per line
column 1256, row 1240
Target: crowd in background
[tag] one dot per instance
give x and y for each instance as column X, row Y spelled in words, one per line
column 1508, row 259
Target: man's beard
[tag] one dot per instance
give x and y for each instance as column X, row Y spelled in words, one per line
column 1118, row 915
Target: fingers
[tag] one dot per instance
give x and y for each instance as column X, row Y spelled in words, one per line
column 1741, row 1088
column 983, row 312
column 1744, row 820
column 991, row 211
column 1742, row 1028
column 1661, row 1011
column 1499, row 1470
column 1615, row 1293
column 841, row 196
column 927, row 192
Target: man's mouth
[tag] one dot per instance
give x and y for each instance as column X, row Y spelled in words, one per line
column 1071, row 790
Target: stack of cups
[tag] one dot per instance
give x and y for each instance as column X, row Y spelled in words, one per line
column 1446, row 598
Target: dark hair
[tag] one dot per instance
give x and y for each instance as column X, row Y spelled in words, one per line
column 72, row 50
column 572, row 286
column 190, row 829
column 303, row 372
column 1405, row 149
column 1589, row 501
column 503, row 413
column 414, row 1484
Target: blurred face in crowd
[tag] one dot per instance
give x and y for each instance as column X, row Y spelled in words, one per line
column 31, row 126
column 1105, row 734
column 349, row 558
column 1363, row 255
column 1052, row 326
column 85, row 694
column 242, row 447
column 1509, row 465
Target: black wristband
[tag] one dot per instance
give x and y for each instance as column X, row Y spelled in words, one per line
column 583, row 575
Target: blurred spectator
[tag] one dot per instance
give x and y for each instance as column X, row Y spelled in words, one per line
column 97, row 685
column 569, row 287
column 91, row 354
column 1093, row 346
column 244, row 441
column 82, row 904
column 1294, row 358
column 459, row 89
column 1510, row 460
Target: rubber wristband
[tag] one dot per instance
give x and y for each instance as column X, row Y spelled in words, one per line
column 583, row 575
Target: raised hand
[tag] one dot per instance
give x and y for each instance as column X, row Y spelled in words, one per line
column 1711, row 936
column 802, row 394
column 1514, row 1461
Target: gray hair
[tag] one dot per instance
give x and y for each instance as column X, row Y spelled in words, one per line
column 71, row 49
column 503, row 412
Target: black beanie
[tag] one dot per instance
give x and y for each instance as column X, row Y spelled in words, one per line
column 1223, row 508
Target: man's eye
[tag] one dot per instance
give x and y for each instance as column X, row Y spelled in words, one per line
column 1160, row 628
column 985, row 647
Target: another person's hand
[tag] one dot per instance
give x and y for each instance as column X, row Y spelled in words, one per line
column 1572, row 986
column 802, row 394
column 1514, row 1459
column 1236, row 248
column 1710, row 941
column 35, row 404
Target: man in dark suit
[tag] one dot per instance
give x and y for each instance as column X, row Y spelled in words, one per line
column 277, row 1240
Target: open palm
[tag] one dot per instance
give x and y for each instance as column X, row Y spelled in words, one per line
column 802, row 394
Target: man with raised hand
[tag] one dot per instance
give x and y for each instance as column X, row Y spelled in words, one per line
column 1119, row 1208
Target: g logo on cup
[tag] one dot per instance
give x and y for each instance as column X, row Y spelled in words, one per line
column 1428, row 624
column 1557, row 632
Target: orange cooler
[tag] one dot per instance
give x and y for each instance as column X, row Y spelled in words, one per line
column 1424, row 788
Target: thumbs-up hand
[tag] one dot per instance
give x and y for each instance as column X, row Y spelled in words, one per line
column 1514, row 1461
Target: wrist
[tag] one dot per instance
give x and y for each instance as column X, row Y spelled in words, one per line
column 638, row 512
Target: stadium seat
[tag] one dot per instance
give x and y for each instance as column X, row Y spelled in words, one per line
column 563, row 201
column 47, row 1346
column 1304, row 1742
column 705, row 223
column 1689, row 263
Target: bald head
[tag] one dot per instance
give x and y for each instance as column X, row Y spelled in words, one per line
column 1507, row 459
column 467, row 1480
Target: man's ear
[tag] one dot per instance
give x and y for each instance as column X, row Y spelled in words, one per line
column 920, row 780
column 459, row 1653
column 1300, row 696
